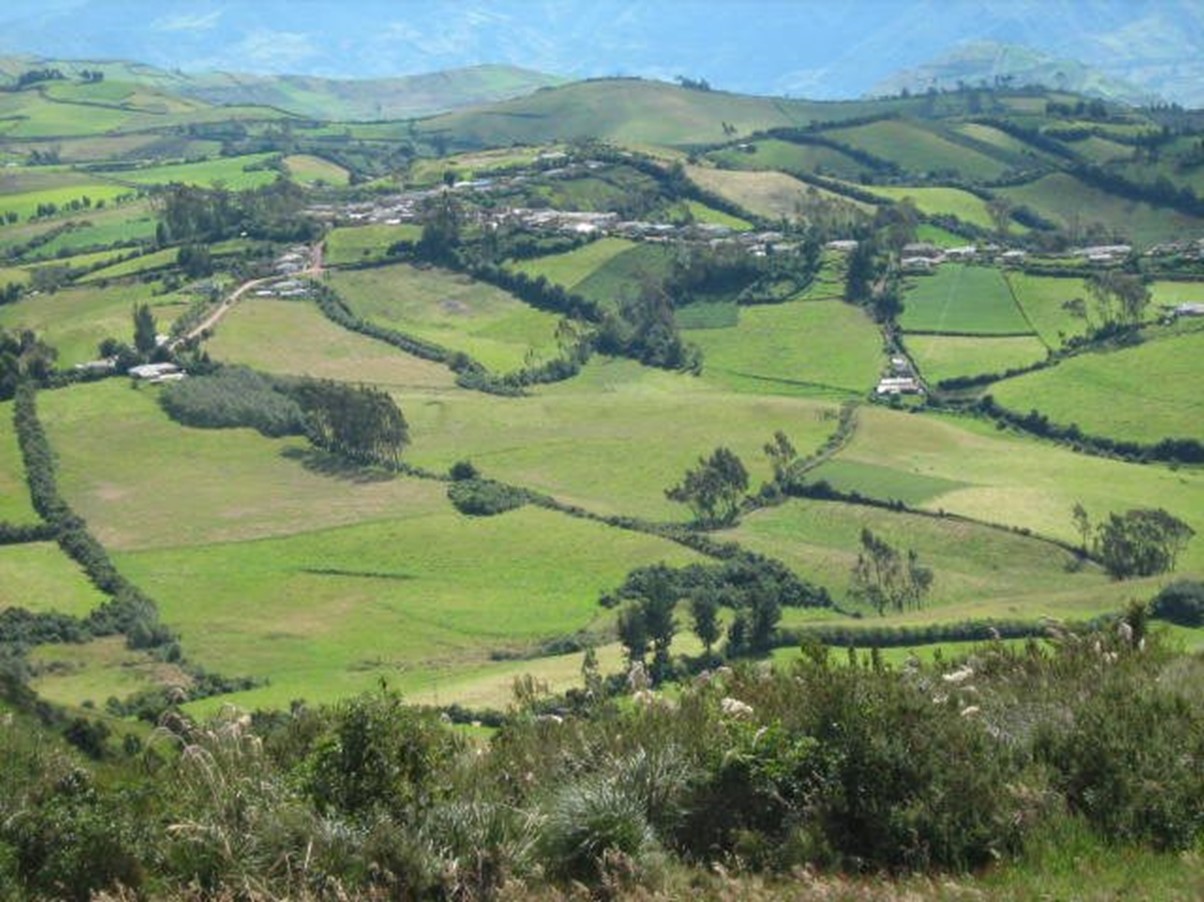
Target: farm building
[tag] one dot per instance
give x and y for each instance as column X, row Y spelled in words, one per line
column 156, row 372
column 898, row 385
column 1195, row 308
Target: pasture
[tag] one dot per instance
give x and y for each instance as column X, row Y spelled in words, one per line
column 38, row 577
column 306, row 169
column 796, row 347
column 75, row 320
column 293, row 338
column 573, row 267
column 612, row 439
column 919, row 149
column 771, row 195
column 1016, row 481
column 361, row 244
column 15, row 506
column 414, row 600
column 1043, row 298
column 1141, row 394
column 966, row 299
column 994, row 572
column 1074, row 205
column 942, row 202
column 949, row 356
column 451, row 310
column 143, row 481
column 619, row 278
column 787, row 156
column 233, row 173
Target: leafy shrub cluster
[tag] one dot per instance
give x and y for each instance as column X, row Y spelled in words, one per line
column 484, row 497
column 1181, row 602
column 853, row 767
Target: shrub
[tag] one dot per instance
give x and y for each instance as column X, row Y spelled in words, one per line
column 484, row 497
column 1181, row 602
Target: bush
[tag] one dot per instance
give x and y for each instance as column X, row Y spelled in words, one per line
column 1181, row 602
column 484, row 497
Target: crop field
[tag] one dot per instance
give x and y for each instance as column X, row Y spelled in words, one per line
column 76, row 320
column 789, row 157
column 161, row 260
column 948, row 356
column 956, row 298
column 797, row 347
column 15, row 506
column 768, row 194
column 470, row 165
column 1016, row 481
column 942, row 201
column 572, row 268
column 412, row 599
column 619, row 278
column 1098, row 391
column 453, row 311
column 38, row 576
column 358, row 244
column 306, row 169
column 236, row 173
column 1042, row 298
column 294, row 338
column 1071, row 203
column 999, row 573
column 917, row 149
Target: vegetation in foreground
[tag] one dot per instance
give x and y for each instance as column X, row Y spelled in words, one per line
column 819, row 767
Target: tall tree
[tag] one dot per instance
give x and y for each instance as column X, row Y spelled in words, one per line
column 884, row 578
column 704, row 607
column 714, row 488
column 1141, row 542
column 144, row 329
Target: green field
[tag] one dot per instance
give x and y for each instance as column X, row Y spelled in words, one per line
column 306, row 169
column 234, row 173
column 942, row 202
column 1141, row 394
column 1074, row 205
column 75, row 320
column 15, row 506
column 571, row 268
column 358, row 244
column 1042, row 298
column 414, row 600
column 1016, row 481
column 772, row 195
column 993, row 572
column 789, row 157
column 453, row 311
column 881, row 483
column 956, row 298
column 1173, row 293
column 948, row 356
column 25, row 203
column 919, row 149
column 619, row 278
column 700, row 212
column 294, row 338
column 793, row 348
column 39, row 577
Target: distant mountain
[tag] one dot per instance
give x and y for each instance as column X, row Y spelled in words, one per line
column 987, row 63
column 319, row 98
column 802, row 48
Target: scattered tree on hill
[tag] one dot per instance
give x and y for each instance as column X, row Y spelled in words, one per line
column 1141, row 542
column 1082, row 525
column 885, row 578
column 649, row 619
column 714, row 488
column 704, row 607
column 23, row 356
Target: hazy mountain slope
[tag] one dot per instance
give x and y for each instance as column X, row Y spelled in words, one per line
column 986, row 62
column 800, row 47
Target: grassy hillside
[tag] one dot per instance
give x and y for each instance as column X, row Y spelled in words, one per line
column 969, row 299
